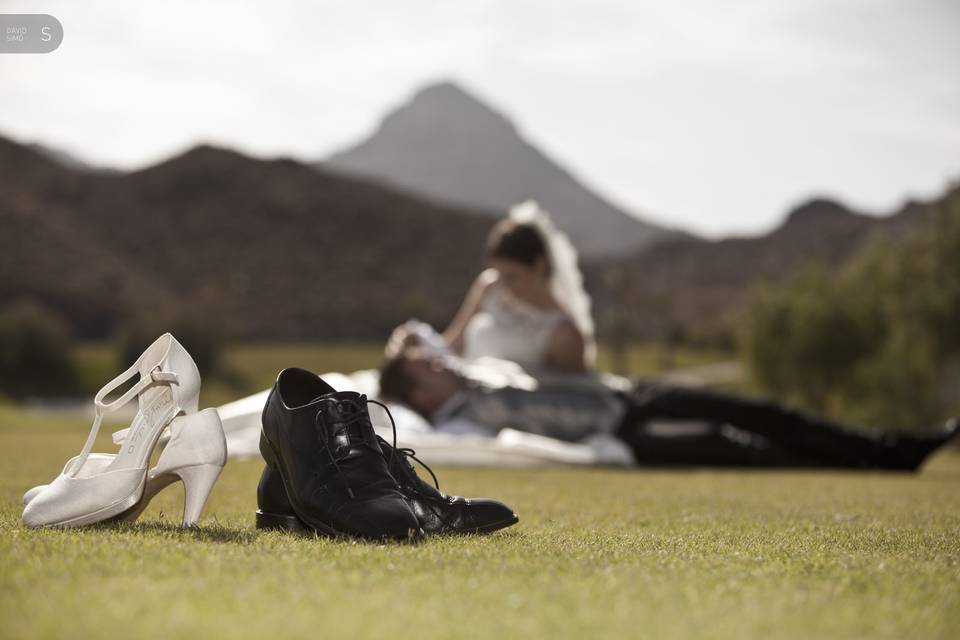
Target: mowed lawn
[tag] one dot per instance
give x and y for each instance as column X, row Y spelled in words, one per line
column 597, row 554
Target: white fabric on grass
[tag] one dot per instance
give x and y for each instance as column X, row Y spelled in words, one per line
column 451, row 444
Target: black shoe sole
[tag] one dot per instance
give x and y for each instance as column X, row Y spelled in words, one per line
column 490, row 528
column 481, row 530
column 292, row 524
column 285, row 522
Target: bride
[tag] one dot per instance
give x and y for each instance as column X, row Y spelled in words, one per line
column 528, row 307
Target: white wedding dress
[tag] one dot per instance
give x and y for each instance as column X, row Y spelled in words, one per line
column 508, row 328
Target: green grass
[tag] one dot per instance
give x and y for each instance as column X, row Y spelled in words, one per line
column 646, row 359
column 597, row 554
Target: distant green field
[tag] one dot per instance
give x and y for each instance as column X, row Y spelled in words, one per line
column 247, row 367
column 597, row 554
column 251, row 367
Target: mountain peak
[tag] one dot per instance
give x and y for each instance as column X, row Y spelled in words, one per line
column 453, row 147
column 443, row 90
column 448, row 107
column 817, row 210
column 202, row 156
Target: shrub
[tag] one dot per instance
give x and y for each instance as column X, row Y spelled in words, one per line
column 35, row 355
column 878, row 342
column 200, row 338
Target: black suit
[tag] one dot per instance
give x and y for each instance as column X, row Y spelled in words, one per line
column 744, row 432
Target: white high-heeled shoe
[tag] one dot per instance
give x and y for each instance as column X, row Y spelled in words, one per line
column 195, row 453
column 169, row 384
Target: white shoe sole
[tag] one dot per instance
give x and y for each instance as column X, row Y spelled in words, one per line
column 100, row 514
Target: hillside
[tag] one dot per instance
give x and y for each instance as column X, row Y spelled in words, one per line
column 688, row 287
column 450, row 146
column 258, row 248
column 274, row 249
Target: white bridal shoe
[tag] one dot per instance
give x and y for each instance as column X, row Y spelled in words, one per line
column 97, row 487
column 195, row 453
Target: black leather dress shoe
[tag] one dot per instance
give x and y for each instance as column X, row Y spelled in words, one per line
column 437, row 513
column 908, row 453
column 323, row 449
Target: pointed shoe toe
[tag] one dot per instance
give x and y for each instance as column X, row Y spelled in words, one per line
column 33, row 493
column 76, row 502
column 483, row 515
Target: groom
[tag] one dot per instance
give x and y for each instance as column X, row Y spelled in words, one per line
column 663, row 425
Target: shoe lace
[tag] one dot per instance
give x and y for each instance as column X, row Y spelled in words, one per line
column 393, row 427
column 407, row 452
column 355, row 415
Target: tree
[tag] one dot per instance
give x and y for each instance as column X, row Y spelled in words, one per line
column 877, row 342
column 34, row 352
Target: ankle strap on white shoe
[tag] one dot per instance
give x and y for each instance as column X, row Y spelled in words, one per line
column 101, row 407
column 145, row 381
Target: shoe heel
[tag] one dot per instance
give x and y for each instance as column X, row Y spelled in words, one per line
column 198, row 481
column 266, row 451
column 281, row 522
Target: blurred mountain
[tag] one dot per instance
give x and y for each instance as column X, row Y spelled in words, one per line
column 450, row 146
column 267, row 249
column 275, row 249
column 67, row 159
column 48, row 254
column 692, row 288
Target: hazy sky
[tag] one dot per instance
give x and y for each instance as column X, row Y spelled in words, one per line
column 712, row 116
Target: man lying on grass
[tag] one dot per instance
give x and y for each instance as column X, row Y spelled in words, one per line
column 662, row 425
